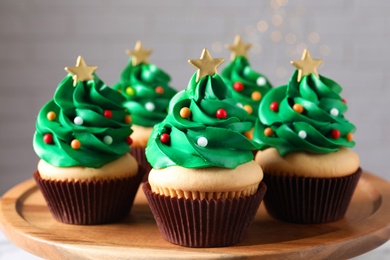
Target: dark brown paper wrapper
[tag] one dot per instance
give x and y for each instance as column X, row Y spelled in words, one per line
column 139, row 155
column 309, row 200
column 204, row 223
column 89, row 202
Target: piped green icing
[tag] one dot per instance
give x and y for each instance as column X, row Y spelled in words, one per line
column 318, row 96
column 239, row 70
column 226, row 147
column 138, row 85
column 87, row 100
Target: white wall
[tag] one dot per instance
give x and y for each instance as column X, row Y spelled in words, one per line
column 39, row 38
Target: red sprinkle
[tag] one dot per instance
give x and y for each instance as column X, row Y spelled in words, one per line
column 221, row 113
column 238, row 86
column 165, row 138
column 48, row 138
column 107, row 113
column 274, row 106
column 159, row 90
column 129, row 140
column 335, row 133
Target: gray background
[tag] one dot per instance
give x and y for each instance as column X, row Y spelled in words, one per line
column 38, row 38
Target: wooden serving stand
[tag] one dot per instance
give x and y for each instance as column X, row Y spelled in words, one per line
column 27, row 222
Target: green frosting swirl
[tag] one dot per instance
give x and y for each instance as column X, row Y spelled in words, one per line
column 239, row 70
column 311, row 130
column 87, row 101
column 147, row 92
column 226, row 146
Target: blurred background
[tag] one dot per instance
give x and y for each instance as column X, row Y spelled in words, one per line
column 38, row 38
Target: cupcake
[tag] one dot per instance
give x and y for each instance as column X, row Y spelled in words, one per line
column 147, row 92
column 310, row 170
column 86, row 173
column 248, row 86
column 205, row 188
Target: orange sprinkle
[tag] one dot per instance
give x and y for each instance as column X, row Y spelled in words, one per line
column 298, row 108
column 127, row 119
column 256, row 95
column 51, row 115
column 185, row 112
column 75, row 144
column 268, row 131
column 248, row 109
column 159, row 90
column 248, row 135
column 349, row 137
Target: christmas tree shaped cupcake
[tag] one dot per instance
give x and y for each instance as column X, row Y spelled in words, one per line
column 147, row 92
column 86, row 173
column 203, row 165
column 248, row 86
column 310, row 171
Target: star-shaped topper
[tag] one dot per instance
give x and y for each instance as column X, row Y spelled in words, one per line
column 81, row 72
column 139, row 54
column 306, row 65
column 239, row 48
column 206, row 65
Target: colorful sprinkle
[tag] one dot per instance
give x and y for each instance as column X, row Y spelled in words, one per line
column 159, row 90
column 256, row 95
column 274, row 106
column 149, row 106
column 130, row 91
column 185, row 112
column 78, row 120
column 334, row 112
column 107, row 113
column 51, row 115
column 248, row 135
column 202, row 141
column 221, row 113
column 238, row 86
column 240, row 105
column 344, row 101
column 75, row 144
column 107, row 140
column 261, row 81
column 165, row 138
column 268, row 131
column 127, row 119
column 248, row 109
column 349, row 137
column 335, row 133
column 298, row 108
column 48, row 138
column 302, row 134
column 129, row 141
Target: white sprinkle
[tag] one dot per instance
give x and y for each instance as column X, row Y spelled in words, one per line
column 107, row 139
column 302, row 134
column 261, row 81
column 202, row 141
column 334, row 112
column 150, row 106
column 78, row 120
column 240, row 105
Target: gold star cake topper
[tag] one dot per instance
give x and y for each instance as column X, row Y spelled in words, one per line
column 139, row 54
column 306, row 65
column 239, row 48
column 206, row 65
column 81, row 72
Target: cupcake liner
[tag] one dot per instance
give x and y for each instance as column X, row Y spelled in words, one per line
column 139, row 155
column 204, row 223
column 309, row 200
column 89, row 202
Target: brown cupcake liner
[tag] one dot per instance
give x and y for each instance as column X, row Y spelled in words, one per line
column 309, row 200
column 204, row 223
column 89, row 202
column 139, row 155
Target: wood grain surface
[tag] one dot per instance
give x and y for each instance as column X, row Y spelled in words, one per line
column 26, row 221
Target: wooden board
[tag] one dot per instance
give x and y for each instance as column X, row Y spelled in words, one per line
column 26, row 221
